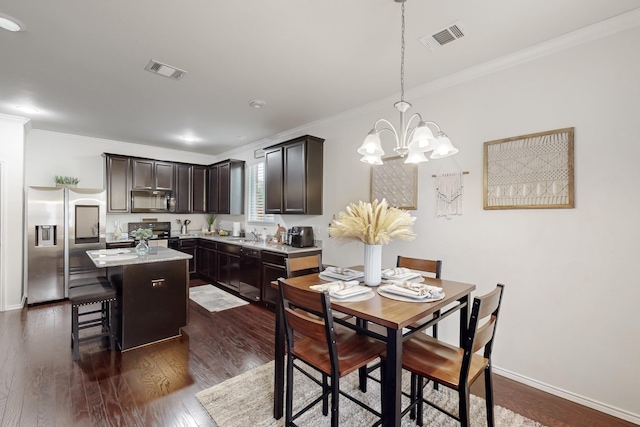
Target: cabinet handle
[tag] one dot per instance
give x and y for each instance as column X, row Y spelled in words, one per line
column 157, row 282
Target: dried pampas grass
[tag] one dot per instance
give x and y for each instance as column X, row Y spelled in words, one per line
column 373, row 223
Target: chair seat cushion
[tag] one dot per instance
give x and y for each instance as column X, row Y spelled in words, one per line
column 359, row 350
column 439, row 361
column 91, row 293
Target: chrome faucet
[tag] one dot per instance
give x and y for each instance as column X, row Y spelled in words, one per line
column 255, row 235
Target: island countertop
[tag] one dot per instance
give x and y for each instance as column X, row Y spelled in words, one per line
column 128, row 256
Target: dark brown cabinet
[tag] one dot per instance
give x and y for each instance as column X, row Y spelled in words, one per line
column 207, row 262
column 228, row 265
column 293, row 177
column 190, row 246
column 199, row 189
column 152, row 175
column 183, row 185
column 226, row 187
column 118, row 183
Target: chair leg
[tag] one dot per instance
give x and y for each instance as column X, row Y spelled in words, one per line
column 434, row 332
column 74, row 332
column 289, row 392
column 335, row 399
column 420, row 399
column 414, row 394
column 463, row 405
column 488, row 390
column 362, row 379
column 325, row 399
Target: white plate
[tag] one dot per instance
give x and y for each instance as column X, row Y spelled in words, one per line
column 406, row 276
column 368, row 294
column 326, row 275
column 391, row 295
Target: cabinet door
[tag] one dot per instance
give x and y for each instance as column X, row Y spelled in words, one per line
column 199, row 187
column 224, row 194
column 143, row 178
column 118, row 184
column 295, row 179
column 273, row 180
column 212, row 192
column 183, row 188
column 270, row 273
column 163, row 173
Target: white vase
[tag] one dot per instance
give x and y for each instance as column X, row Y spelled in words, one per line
column 372, row 265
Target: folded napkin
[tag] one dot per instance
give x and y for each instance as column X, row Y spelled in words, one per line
column 337, row 288
column 340, row 272
column 412, row 289
column 399, row 273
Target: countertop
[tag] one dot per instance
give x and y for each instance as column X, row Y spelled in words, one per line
column 128, row 256
column 249, row 243
column 240, row 241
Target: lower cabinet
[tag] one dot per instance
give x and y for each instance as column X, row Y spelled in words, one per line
column 207, row 264
column 228, row 265
column 190, row 246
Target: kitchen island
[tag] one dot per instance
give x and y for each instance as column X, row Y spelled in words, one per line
column 153, row 293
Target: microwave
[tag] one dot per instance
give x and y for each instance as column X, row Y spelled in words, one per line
column 151, row 201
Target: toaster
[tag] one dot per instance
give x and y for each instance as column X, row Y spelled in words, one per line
column 301, row 237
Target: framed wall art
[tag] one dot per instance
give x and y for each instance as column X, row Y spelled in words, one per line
column 397, row 182
column 532, row 171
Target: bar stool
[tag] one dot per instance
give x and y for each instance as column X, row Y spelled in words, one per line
column 88, row 291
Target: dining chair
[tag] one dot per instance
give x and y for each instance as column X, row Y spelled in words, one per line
column 303, row 265
column 456, row 367
column 330, row 349
column 424, row 266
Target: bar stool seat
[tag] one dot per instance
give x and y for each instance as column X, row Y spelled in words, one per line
column 89, row 291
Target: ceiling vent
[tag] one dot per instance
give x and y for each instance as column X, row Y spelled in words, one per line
column 164, row 70
column 450, row 33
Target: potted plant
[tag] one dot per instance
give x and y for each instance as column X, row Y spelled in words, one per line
column 66, row 181
column 210, row 218
column 142, row 234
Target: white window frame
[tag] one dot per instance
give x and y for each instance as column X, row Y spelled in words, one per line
column 255, row 202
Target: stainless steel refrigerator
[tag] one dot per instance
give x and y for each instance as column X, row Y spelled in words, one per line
column 62, row 224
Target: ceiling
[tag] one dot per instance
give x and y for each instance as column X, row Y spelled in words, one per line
column 82, row 63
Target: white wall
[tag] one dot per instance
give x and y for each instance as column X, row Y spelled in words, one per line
column 570, row 301
column 12, row 131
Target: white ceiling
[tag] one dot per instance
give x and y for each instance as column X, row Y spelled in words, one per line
column 81, row 63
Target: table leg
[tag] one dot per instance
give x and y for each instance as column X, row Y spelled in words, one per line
column 278, row 383
column 392, row 381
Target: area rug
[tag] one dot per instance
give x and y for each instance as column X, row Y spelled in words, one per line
column 214, row 299
column 247, row 400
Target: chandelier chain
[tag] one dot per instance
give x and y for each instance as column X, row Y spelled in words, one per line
column 402, row 57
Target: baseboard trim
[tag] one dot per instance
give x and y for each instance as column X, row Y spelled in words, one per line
column 581, row 400
column 16, row 306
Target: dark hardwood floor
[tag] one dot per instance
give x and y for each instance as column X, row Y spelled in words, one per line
column 40, row 385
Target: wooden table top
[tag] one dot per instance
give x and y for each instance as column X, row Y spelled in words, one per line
column 388, row 312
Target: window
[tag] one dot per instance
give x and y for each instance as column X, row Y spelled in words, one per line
column 256, row 194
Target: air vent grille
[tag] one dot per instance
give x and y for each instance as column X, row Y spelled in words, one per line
column 164, row 70
column 450, row 33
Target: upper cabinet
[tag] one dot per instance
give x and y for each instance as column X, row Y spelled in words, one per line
column 183, row 186
column 152, row 175
column 293, row 176
column 226, row 187
column 199, row 189
column 118, row 181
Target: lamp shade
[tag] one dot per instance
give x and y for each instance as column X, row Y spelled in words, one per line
column 445, row 148
column 423, row 139
column 372, row 146
column 372, row 160
column 416, row 157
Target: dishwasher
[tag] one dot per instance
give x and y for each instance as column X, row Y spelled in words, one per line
column 250, row 273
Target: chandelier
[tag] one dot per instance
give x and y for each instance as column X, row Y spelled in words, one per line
column 410, row 142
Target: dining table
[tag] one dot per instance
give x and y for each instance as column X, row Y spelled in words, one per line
column 399, row 319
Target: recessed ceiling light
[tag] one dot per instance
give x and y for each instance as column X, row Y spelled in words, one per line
column 188, row 138
column 27, row 109
column 257, row 103
column 10, row 23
